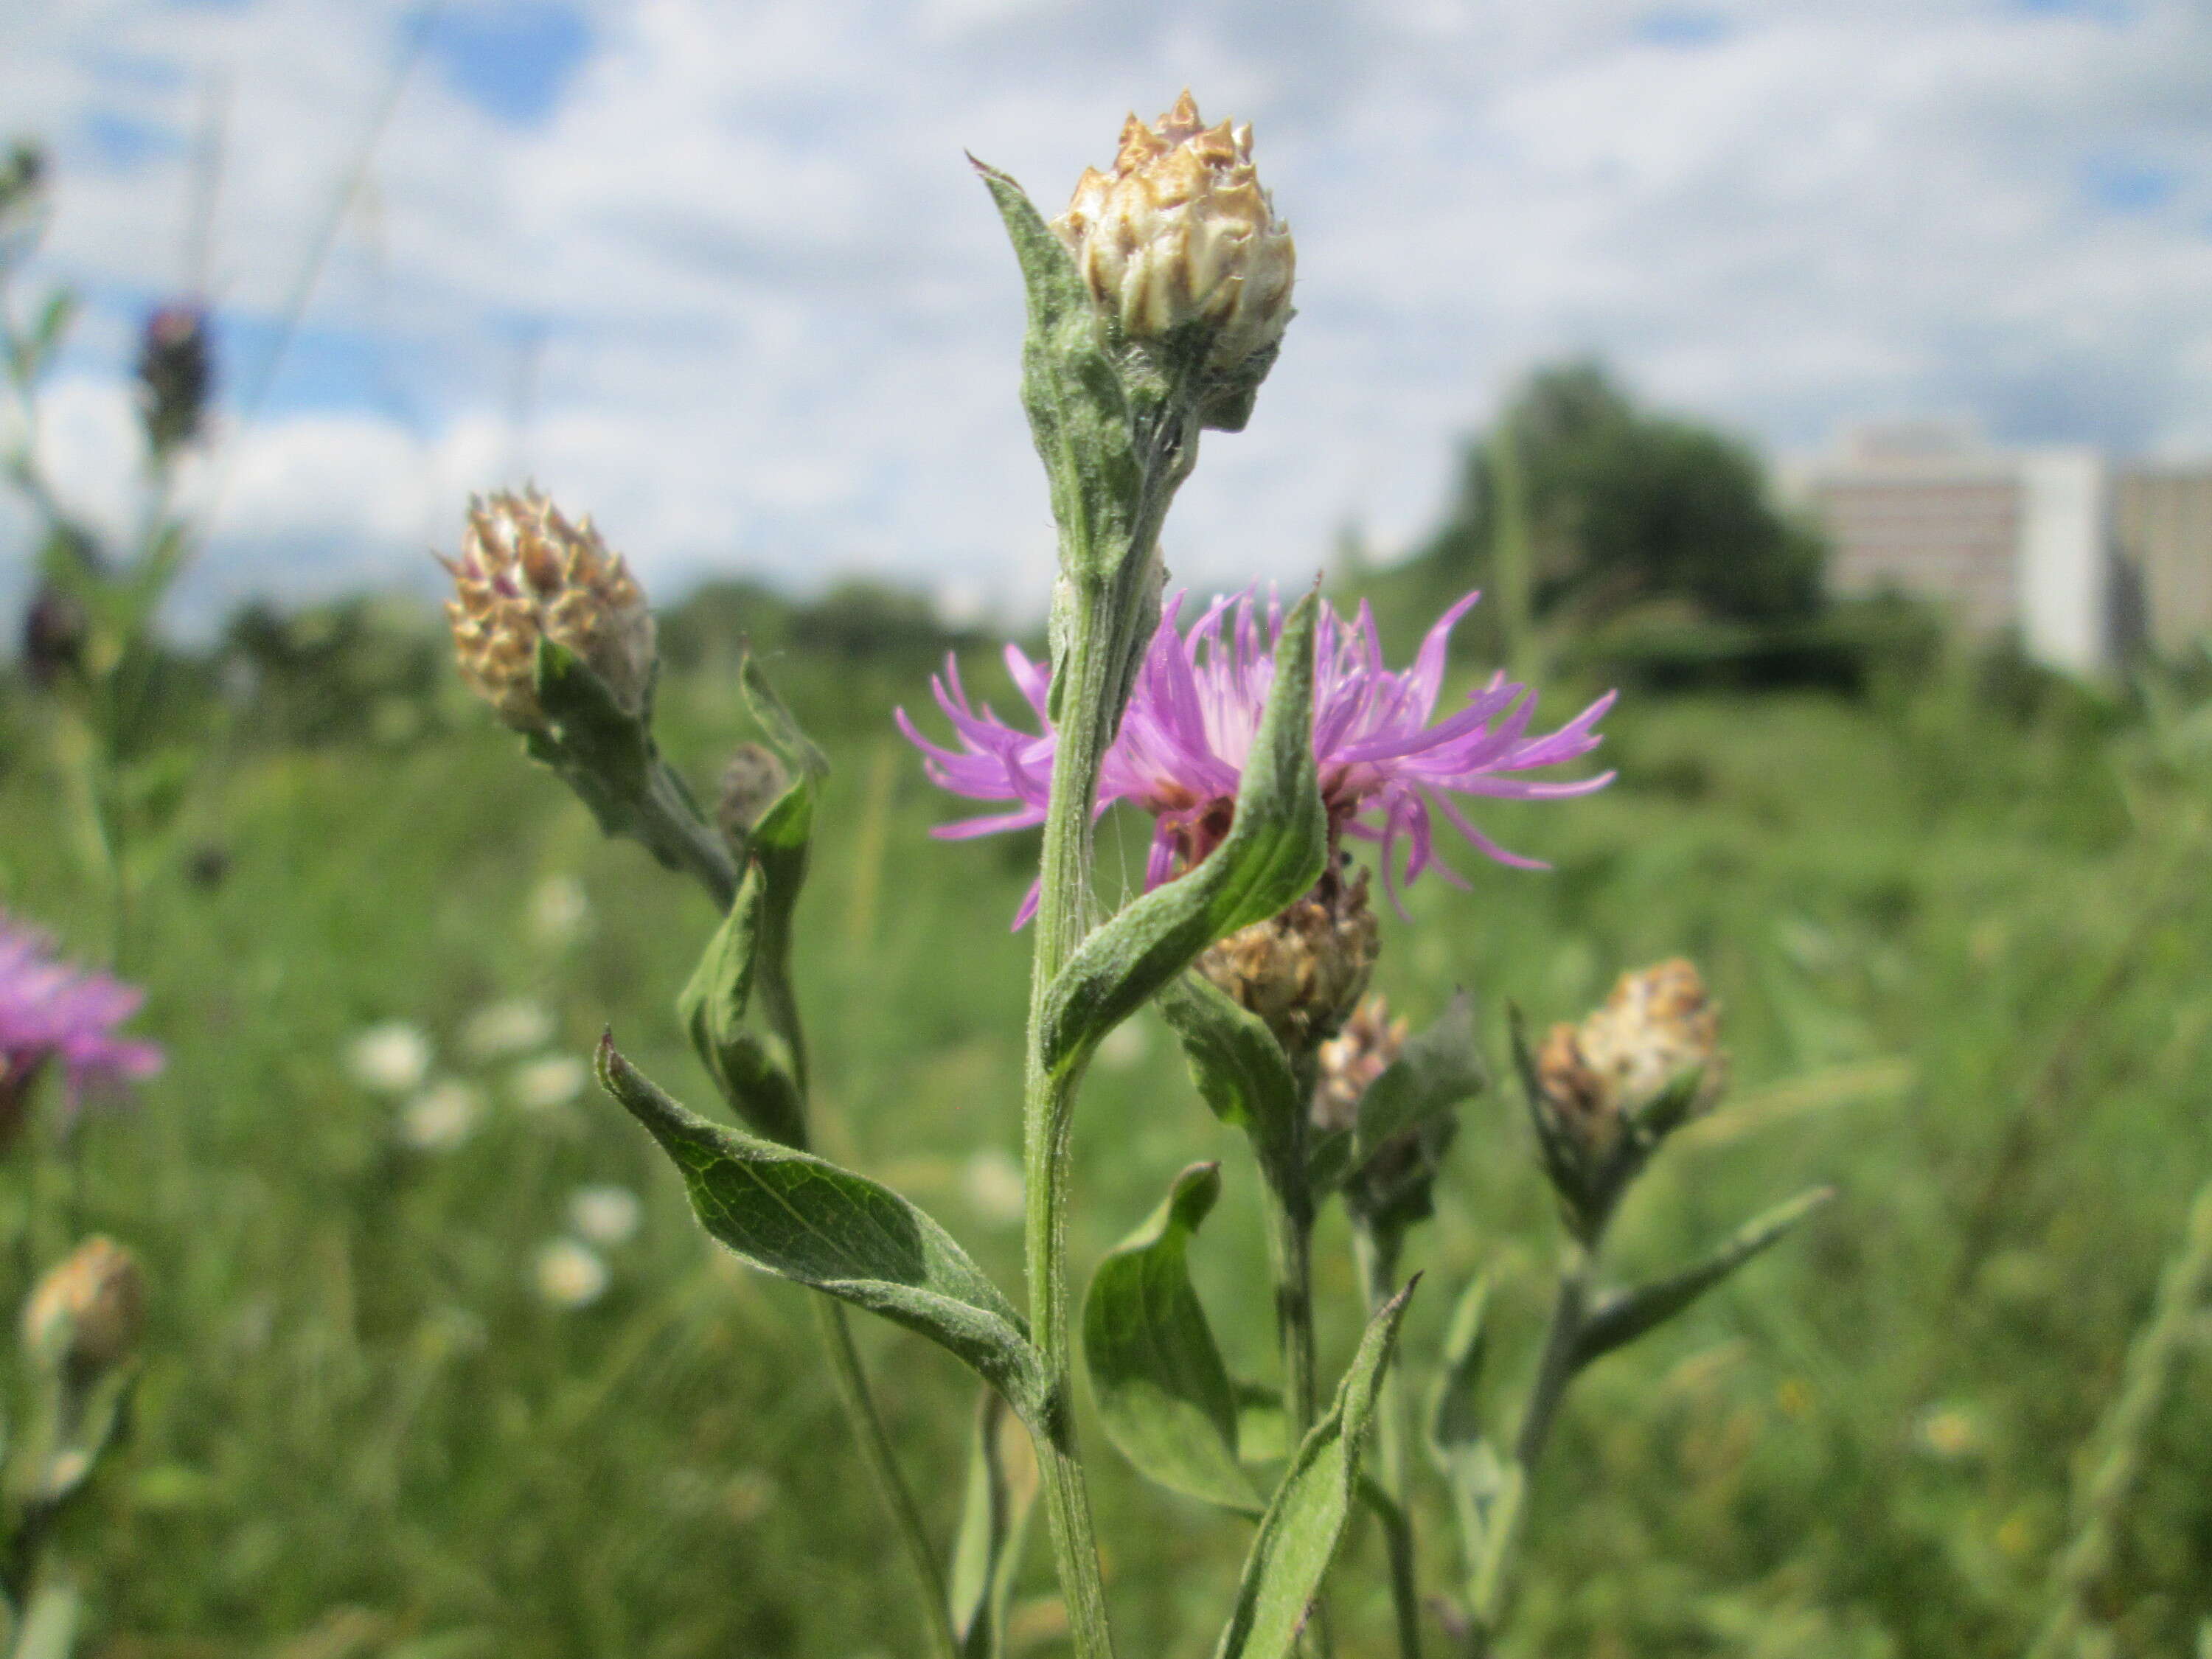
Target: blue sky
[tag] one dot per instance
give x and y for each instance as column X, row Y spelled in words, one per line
column 716, row 271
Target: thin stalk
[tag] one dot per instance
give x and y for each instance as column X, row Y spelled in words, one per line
column 1377, row 1259
column 1093, row 612
column 1555, row 1370
column 2119, row 1440
column 875, row 1448
column 1290, row 1253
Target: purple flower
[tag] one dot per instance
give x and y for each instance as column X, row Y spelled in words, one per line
column 51, row 1010
column 1385, row 771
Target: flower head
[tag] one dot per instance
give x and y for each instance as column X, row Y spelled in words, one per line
column 1657, row 1025
column 176, row 374
column 1180, row 232
column 1368, row 1045
column 1303, row 970
column 87, row 1313
column 526, row 572
column 1387, row 774
column 51, row 1010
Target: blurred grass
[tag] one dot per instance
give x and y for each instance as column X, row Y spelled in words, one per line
column 1964, row 968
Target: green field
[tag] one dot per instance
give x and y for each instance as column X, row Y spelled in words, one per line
column 1964, row 966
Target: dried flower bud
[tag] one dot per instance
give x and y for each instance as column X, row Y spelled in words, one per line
column 525, row 573
column 1657, row 1025
column 85, row 1316
column 750, row 783
column 176, row 373
column 1181, row 233
column 1304, row 970
column 1367, row 1047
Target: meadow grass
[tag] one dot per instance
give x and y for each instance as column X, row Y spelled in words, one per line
column 1963, row 967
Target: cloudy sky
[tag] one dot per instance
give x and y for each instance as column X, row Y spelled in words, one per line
column 717, row 270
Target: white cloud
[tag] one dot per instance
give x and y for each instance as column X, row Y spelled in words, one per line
column 776, row 329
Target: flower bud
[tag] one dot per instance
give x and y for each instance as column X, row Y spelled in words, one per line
column 176, row 373
column 1657, row 1025
column 1350, row 1062
column 85, row 1316
column 1302, row 971
column 526, row 572
column 750, row 783
column 1181, row 233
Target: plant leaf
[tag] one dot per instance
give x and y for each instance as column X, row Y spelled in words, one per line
column 1408, row 1120
column 1263, row 1427
column 1434, row 1072
column 1275, row 850
column 1454, row 1421
column 804, row 1219
column 1298, row 1535
column 1164, row 1395
column 755, row 1072
column 1240, row 1069
column 1074, row 394
column 1002, row 1487
column 1621, row 1318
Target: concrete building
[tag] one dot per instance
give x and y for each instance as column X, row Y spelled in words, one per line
column 2087, row 559
column 2162, row 523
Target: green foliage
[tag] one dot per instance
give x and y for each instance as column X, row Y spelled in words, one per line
column 361, row 1426
column 1626, row 509
column 1298, row 1535
column 994, row 1519
column 803, row 1218
column 1162, row 1394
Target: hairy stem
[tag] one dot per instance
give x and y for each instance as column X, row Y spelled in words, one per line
column 875, row 1448
column 1290, row 1253
column 1094, row 617
column 1377, row 1258
column 1555, row 1371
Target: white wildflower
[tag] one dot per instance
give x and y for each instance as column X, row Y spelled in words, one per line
column 391, row 1059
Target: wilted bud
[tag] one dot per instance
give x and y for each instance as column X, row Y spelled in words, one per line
column 176, row 373
column 750, row 783
column 85, row 1316
column 1304, row 970
column 1350, row 1062
column 1181, row 233
column 526, row 573
column 1657, row 1025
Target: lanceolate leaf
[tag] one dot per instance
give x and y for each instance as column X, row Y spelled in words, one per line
column 1621, row 1318
column 1075, row 397
column 1454, row 1420
column 1002, row 1487
column 1438, row 1069
column 739, row 1006
column 1163, row 1397
column 1241, row 1071
column 804, row 1219
column 1274, row 851
column 756, row 1071
column 1298, row 1535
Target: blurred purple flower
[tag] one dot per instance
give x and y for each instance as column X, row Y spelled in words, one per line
column 1384, row 769
column 51, row 1010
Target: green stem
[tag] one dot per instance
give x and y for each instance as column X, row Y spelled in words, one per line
column 1555, row 1371
column 675, row 830
column 1290, row 1252
column 2120, row 1436
column 875, row 1449
column 1093, row 617
column 1377, row 1258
